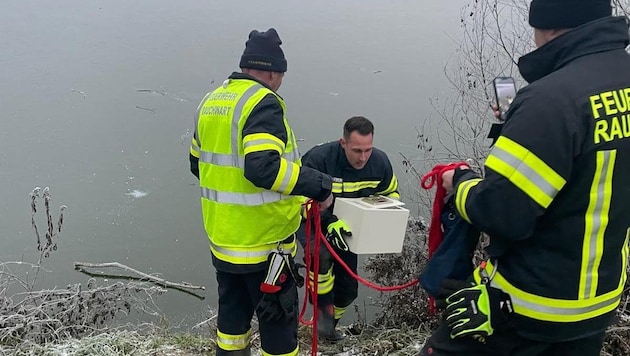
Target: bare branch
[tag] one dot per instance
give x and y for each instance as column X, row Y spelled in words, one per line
column 148, row 277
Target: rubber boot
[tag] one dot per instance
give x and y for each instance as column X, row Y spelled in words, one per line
column 326, row 325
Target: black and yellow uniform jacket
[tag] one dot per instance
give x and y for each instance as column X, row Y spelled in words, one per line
column 555, row 198
column 376, row 177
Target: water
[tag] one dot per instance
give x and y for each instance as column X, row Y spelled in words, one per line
column 97, row 100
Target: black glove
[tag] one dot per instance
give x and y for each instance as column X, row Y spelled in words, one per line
column 337, row 230
column 477, row 311
column 279, row 299
column 447, row 288
column 297, row 277
column 278, row 306
column 337, row 233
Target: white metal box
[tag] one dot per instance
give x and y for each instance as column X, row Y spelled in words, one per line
column 378, row 224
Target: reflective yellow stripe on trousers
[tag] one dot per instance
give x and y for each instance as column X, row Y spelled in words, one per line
column 292, row 353
column 325, row 282
column 229, row 342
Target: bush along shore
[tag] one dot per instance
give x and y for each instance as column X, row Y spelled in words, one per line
column 78, row 320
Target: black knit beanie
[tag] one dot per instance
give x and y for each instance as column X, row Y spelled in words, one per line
column 262, row 51
column 560, row 14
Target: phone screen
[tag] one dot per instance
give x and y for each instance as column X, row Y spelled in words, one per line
column 505, row 91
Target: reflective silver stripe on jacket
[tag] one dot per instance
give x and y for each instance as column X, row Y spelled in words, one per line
column 568, row 310
column 597, row 221
column 251, row 254
column 231, row 160
column 539, row 181
column 251, row 199
column 292, row 156
column 219, row 159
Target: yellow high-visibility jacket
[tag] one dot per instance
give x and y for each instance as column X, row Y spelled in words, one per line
column 249, row 171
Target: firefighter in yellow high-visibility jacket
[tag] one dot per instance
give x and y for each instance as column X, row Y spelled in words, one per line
column 246, row 158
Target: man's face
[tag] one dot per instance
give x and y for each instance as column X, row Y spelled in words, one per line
column 358, row 149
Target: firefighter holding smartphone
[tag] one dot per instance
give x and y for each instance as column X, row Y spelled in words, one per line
column 553, row 198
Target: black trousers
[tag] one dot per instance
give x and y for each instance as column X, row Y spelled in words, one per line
column 508, row 343
column 239, row 295
column 345, row 288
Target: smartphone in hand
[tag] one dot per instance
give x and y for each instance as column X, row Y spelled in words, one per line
column 504, row 91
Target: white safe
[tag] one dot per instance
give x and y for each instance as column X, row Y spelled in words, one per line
column 378, row 223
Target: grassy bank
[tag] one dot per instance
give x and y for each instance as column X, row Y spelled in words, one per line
column 372, row 341
column 76, row 320
column 156, row 343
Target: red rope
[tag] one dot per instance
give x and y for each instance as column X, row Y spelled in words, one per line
column 363, row 280
column 313, row 217
column 434, row 177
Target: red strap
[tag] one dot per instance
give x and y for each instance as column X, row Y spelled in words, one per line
column 434, row 177
column 312, row 222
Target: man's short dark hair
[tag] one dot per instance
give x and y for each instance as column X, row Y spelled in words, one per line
column 359, row 124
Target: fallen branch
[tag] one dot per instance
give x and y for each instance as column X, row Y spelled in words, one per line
column 163, row 282
column 119, row 276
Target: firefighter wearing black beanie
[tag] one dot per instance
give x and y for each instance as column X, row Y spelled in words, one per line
column 253, row 184
column 555, row 276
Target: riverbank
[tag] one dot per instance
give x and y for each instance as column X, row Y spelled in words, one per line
column 372, row 341
column 155, row 342
column 75, row 321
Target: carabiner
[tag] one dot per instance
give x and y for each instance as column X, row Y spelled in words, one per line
column 485, row 277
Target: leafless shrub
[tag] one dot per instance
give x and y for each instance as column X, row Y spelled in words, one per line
column 41, row 316
column 408, row 307
column 51, row 315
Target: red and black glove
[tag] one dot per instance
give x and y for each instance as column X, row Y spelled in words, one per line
column 280, row 298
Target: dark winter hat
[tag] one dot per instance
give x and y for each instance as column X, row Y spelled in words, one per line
column 559, row 14
column 262, row 51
